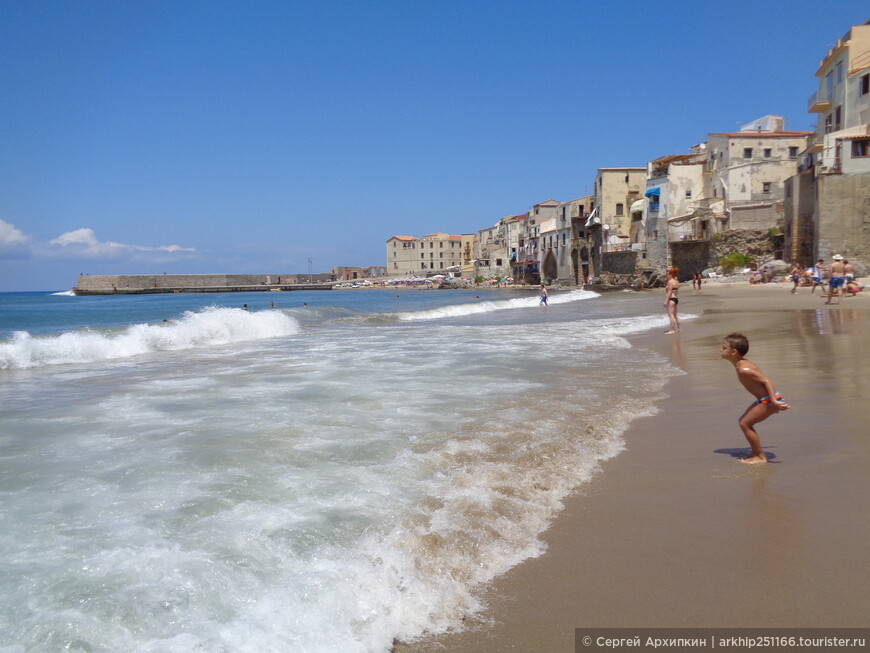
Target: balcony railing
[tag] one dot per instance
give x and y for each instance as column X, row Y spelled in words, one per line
column 819, row 102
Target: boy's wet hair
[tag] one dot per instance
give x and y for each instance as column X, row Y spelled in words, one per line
column 738, row 342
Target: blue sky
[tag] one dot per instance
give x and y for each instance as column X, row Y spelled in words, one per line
column 248, row 136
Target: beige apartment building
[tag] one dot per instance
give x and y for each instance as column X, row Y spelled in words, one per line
column 469, row 244
column 615, row 190
column 748, row 170
column 437, row 253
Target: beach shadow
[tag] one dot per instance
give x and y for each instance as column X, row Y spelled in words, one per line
column 737, row 454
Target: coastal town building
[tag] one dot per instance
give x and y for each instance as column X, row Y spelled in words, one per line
column 555, row 244
column 828, row 200
column 491, row 260
column 748, row 169
column 762, row 190
column 615, row 191
column 673, row 201
column 402, row 256
column 582, row 264
column 470, row 243
column 428, row 255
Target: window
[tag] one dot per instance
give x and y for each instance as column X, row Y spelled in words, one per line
column 765, row 187
column 864, row 85
column 688, row 194
column 747, row 152
column 792, row 152
column 839, row 72
column 860, row 148
column 619, row 209
column 767, row 152
column 838, row 119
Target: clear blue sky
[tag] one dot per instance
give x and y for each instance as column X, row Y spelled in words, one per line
column 148, row 136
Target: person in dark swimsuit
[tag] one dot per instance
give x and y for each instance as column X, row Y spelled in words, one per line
column 671, row 301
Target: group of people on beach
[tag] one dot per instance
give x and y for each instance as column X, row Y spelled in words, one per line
column 840, row 276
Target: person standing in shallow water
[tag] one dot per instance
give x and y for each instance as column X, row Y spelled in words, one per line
column 767, row 400
column 671, row 300
column 544, row 296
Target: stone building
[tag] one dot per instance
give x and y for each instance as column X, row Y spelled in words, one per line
column 582, row 263
column 555, row 244
column 828, row 201
column 428, row 255
column 672, row 199
column 609, row 224
column 748, row 170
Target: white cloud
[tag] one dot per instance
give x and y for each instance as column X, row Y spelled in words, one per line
column 83, row 243
column 13, row 242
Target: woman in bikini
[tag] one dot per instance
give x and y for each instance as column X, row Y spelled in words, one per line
column 671, row 301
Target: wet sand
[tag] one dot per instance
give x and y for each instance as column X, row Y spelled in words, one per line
column 676, row 532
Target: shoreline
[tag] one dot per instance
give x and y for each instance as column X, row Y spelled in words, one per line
column 675, row 532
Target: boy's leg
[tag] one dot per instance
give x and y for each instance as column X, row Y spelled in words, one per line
column 753, row 415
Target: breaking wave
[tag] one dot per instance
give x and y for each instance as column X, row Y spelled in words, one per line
column 210, row 326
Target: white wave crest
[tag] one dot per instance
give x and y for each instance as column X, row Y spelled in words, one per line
column 211, row 326
column 458, row 310
column 65, row 293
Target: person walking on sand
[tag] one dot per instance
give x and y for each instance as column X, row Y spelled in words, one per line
column 796, row 272
column 767, row 400
column 544, row 296
column 671, row 300
column 817, row 272
column 838, row 278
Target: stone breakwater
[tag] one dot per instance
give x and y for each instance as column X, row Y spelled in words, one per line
column 141, row 284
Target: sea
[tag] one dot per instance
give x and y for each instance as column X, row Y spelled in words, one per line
column 309, row 471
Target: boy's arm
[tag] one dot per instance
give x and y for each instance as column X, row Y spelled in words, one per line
column 755, row 374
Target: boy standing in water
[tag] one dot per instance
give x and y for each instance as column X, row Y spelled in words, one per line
column 767, row 400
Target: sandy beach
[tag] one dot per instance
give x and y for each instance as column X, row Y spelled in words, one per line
column 676, row 532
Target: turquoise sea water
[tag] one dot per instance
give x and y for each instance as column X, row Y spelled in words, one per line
column 343, row 469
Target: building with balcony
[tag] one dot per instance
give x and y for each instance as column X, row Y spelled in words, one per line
column 582, row 263
column 827, row 204
column 673, row 208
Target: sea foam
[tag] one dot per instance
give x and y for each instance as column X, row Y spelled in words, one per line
column 459, row 310
column 211, row 326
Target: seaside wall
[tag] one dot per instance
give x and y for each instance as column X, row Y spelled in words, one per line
column 844, row 216
column 619, row 262
column 123, row 282
column 800, row 224
column 760, row 216
column 690, row 256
